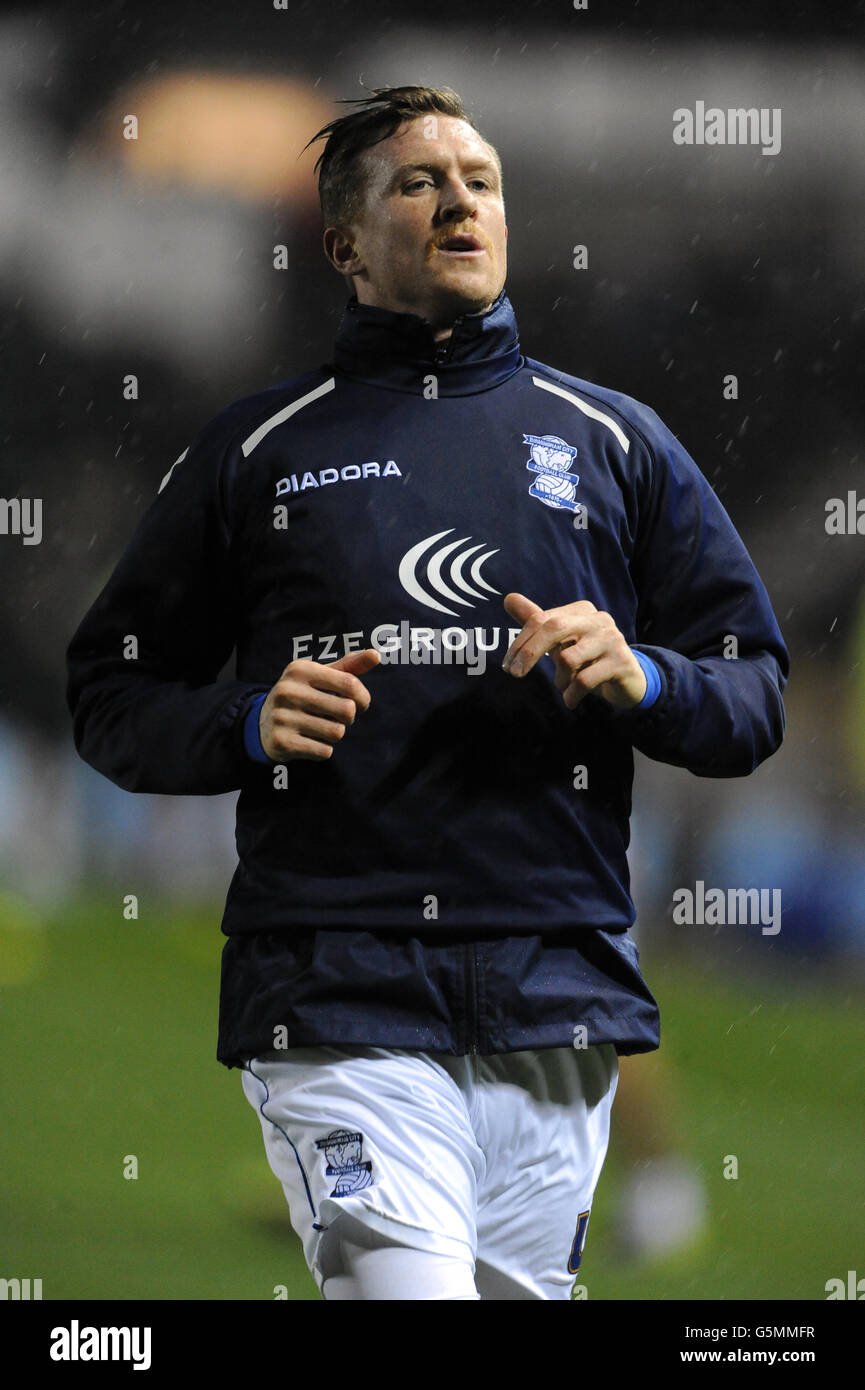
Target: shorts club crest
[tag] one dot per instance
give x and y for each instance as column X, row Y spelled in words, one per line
column 343, row 1150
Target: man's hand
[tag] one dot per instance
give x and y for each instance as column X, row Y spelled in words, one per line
column 589, row 651
column 312, row 705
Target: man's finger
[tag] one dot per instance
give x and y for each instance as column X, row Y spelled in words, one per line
column 297, row 695
column 588, row 679
column 573, row 654
column 358, row 662
column 353, row 665
column 555, row 629
column 522, row 609
column 519, row 607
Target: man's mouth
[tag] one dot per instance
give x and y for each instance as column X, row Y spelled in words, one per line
column 461, row 244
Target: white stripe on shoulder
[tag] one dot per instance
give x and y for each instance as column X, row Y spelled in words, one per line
column 282, row 415
column 587, row 409
column 171, row 469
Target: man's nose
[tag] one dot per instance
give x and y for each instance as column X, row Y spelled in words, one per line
column 457, row 199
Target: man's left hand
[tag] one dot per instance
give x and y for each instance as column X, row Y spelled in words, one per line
column 590, row 652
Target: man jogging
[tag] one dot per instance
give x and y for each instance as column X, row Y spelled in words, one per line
column 461, row 587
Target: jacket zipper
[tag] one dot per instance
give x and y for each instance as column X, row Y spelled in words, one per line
column 442, row 354
column 473, row 1010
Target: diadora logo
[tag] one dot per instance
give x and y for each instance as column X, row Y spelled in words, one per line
column 424, row 557
column 351, row 472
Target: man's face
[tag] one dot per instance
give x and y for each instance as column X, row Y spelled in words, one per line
column 431, row 237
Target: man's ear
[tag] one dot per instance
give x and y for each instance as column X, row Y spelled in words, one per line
column 339, row 248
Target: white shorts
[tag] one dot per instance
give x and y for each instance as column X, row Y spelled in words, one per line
column 418, row 1175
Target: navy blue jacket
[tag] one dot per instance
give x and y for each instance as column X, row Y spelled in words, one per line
column 454, row 877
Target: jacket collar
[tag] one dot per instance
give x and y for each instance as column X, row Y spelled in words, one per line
column 398, row 351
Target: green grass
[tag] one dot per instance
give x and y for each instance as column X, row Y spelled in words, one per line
column 110, row 1051
column 773, row 1073
column 108, row 1034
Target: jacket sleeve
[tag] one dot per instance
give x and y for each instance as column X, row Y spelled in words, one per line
column 705, row 619
column 148, row 710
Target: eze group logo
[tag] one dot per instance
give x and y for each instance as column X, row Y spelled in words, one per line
column 430, row 562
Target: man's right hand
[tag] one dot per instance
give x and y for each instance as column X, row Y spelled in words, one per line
column 312, row 705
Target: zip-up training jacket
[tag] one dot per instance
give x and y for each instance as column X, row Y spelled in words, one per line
column 454, row 877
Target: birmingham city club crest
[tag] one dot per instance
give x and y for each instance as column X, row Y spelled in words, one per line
column 551, row 459
column 343, row 1150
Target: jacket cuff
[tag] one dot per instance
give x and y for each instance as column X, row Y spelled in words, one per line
column 251, row 735
column 653, row 680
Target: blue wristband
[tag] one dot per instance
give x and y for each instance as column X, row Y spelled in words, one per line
column 653, row 680
column 251, row 735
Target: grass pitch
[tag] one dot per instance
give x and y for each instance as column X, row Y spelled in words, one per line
column 108, row 1032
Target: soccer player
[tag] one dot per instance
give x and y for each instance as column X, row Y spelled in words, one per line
column 461, row 587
